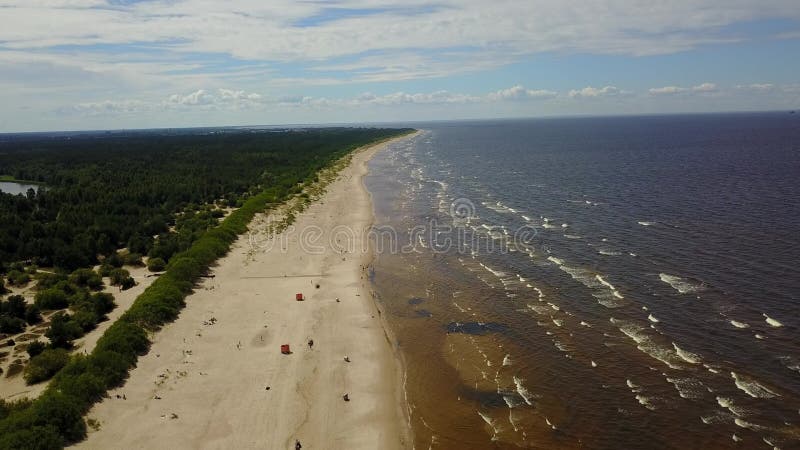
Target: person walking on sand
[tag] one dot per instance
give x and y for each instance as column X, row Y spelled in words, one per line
column 297, row 445
column 310, row 343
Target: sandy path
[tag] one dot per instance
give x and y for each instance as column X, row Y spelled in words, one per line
column 204, row 386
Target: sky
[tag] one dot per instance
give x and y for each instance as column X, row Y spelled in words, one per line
column 113, row 64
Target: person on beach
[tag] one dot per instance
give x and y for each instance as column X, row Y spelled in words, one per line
column 310, row 343
column 297, row 445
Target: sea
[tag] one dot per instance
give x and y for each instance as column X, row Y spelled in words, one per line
column 602, row 283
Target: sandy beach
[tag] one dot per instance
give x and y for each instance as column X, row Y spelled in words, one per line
column 216, row 378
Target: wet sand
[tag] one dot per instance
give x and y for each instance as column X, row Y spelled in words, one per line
column 216, row 378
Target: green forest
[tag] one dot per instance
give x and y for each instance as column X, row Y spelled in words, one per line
column 99, row 193
column 180, row 199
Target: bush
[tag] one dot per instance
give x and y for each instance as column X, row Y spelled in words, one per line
column 7, row 408
column 105, row 270
column 33, row 437
column 32, row 314
column 103, row 303
column 35, row 348
column 117, row 276
column 133, row 259
column 11, row 325
column 3, row 289
column 63, row 331
column 87, row 278
column 127, row 283
column 46, row 364
column 62, row 413
column 156, row 265
column 14, row 306
column 47, row 280
column 18, row 278
column 114, row 260
column 52, row 298
column 86, row 319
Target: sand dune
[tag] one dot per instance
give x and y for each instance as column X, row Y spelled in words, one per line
column 204, row 382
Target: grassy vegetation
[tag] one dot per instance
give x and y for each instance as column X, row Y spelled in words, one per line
column 11, row 179
column 55, row 419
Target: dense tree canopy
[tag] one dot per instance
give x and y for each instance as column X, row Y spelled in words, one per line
column 102, row 192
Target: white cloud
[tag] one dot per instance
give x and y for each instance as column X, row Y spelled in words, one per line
column 272, row 31
column 592, row 92
column 667, row 90
column 520, row 93
column 673, row 90
column 758, row 87
column 221, row 99
column 705, row 87
column 230, row 99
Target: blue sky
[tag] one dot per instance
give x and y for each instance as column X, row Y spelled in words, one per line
column 96, row 64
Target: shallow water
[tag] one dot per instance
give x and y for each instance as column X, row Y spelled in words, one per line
column 596, row 283
column 10, row 187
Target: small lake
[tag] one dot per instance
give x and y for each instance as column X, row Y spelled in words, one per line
column 11, row 187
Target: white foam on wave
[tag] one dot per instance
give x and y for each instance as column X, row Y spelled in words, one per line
column 511, row 401
column 790, row 363
column 647, row 402
column 610, row 286
column 728, row 404
column 679, row 284
column 497, row 273
column 688, row 388
column 558, row 322
column 573, row 236
column 507, row 360
column 605, row 293
column 716, row 417
column 491, row 424
column 584, row 324
column 738, row 324
column 752, row 387
column 646, row 223
column 523, row 391
column 609, row 253
column 527, row 219
column 691, row 358
column 653, row 319
column 772, row 322
column 749, row 425
column 541, row 310
column 646, row 344
column 594, row 364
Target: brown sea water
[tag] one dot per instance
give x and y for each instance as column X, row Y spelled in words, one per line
column 595, row 283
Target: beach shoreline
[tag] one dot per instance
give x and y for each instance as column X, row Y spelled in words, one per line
column 215, row 378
